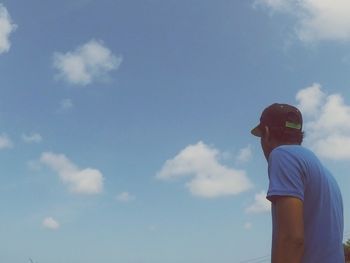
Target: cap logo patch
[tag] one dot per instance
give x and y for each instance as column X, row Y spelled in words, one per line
column 293, row 125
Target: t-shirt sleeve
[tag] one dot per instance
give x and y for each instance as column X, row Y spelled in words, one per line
column 285, row 175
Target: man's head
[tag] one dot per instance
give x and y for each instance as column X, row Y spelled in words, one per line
column 279, row 124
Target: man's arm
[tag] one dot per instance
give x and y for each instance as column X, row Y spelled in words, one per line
column 288, row 246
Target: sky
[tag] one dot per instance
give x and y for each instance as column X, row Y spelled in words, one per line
column 125, row 125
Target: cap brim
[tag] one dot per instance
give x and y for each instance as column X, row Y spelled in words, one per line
column 256, row 131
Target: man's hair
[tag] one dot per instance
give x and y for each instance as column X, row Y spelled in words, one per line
column 286, row 136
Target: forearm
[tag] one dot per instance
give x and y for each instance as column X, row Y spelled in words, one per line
column 287, row 250
column 288, row 237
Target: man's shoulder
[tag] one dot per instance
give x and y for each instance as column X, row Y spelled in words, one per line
column 294, row 154
column 292, row 149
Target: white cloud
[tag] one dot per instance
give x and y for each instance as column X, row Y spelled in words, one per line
column 66, row 104
column 50, row 223
column 316, row 19
column 245, row 154
column 34, row 165
column 248, row 226
column 260, row 205
column 209, row 178
column 32, row 138
column 152, row 228
column 310, row 99
column 275, row 5
column 81, row 181
column 335, row 147
column 328, row 128
column 88, row 63
column 6, row 28
column 125, row 197
column 5, row 142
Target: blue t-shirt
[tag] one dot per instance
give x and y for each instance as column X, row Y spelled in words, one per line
column 296, row 171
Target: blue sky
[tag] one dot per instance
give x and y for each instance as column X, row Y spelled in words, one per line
column 125, row 125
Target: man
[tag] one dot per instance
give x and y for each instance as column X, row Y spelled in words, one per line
column 307, row 208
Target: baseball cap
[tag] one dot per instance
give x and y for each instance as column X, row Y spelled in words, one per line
column 282, row 116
